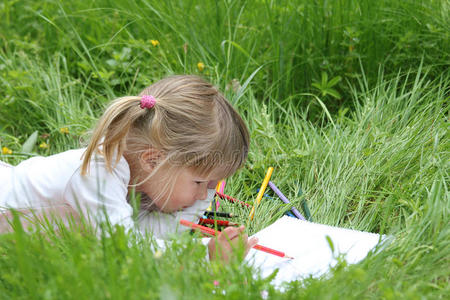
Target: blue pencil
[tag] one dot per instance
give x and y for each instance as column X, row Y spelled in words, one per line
column 290, row 214
column 285, row 200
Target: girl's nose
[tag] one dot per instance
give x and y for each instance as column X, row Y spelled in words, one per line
column 212, row 184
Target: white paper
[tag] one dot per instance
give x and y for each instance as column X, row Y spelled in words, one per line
column 307, row 243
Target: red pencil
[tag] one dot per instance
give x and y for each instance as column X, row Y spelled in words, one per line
column 213, row 232
column 218, row 222
column 231, row 199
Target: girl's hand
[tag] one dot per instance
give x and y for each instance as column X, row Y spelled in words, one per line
column 226, row 245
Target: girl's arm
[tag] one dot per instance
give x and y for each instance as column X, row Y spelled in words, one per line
column 101, row 195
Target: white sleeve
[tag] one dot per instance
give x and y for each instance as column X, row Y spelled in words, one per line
column 162, row 225
column 101, row 195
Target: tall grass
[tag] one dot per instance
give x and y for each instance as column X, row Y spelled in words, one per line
column 383, row 168
column 376, row 160
column 294, row 41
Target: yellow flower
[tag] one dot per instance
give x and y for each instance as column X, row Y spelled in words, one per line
column 6, row 150
column 154, row 43
column 43, row 145
column 157, row 254
column 64, row 130
column 201, row 66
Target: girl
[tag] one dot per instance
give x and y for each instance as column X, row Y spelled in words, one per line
column 171, row 144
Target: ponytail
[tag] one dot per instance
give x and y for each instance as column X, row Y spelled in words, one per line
column 109, row 136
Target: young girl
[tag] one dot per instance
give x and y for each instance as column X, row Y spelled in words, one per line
column 171, row 144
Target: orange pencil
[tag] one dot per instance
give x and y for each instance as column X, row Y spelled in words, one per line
column 213, row 232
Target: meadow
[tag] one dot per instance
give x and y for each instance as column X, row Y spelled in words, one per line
column 348, row 101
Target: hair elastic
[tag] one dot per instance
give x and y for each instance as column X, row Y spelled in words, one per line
column 147, row 101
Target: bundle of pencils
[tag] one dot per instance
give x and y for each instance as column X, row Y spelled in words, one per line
column 266, row 182
column 212, row 232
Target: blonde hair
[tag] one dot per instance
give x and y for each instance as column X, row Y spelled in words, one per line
column 191, row 123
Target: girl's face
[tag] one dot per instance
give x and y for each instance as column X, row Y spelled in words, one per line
column 188, row 189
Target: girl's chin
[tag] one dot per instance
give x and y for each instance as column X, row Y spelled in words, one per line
column 168, row 210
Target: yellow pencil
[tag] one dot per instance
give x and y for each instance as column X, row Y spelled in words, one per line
column 261, row 192
column 219, row 184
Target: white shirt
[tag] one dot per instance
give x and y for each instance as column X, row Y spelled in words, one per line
column 55, row 184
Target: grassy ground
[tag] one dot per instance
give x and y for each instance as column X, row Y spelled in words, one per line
column 367, row 142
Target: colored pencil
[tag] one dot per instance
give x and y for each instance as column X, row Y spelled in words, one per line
column 261, row 192
column 222, row 186
column 304, row 205
column 213, row 232
column 285, row 200
column 231, row 199
column 216, row 205
column 209, row 207
column 290, row 214
column 218, row 222
column 219, row 188
column 306, row 210
column 210, row 214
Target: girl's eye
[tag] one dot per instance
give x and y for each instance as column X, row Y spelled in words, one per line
column 198, row 182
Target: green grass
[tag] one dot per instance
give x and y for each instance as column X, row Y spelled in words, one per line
column 107, row 44
column 376, row 160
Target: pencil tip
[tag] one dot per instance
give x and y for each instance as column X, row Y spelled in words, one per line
column 290, row 257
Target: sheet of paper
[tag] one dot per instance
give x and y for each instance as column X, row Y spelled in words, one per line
column 306, row 242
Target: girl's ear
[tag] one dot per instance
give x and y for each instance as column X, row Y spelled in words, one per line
column 149, row 159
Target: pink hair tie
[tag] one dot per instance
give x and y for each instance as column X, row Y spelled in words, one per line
column 147, row 101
